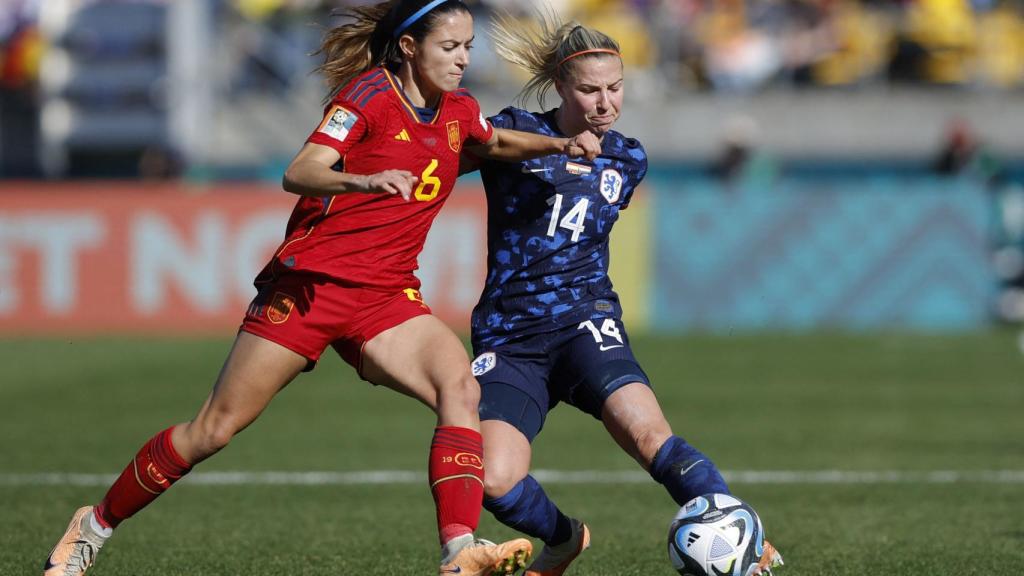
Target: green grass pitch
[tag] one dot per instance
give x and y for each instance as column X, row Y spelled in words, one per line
column 909, row 404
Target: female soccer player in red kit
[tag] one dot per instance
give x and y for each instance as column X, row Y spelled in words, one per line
column 371, row 177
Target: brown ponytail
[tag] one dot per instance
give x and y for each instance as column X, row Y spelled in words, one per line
column 347, row 49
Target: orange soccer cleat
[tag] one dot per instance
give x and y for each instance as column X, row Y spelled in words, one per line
column 76, row 550
column 485, row 558
column 770, row 558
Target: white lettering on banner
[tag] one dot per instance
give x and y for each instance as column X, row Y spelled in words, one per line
column 160, row 255
column 453, row 243
column 58, row 239
column 8, row 289
column 259, row 236
column 8, row 266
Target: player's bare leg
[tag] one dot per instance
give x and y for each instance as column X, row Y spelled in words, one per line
column 423, row 358
column 507, row 456
column 256, row 369
column 635, row 421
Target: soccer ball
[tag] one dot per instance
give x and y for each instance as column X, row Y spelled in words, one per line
column 715, row 535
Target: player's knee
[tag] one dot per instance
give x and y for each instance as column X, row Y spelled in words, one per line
column 211, row 435
column 499, row 481
column 220, row 436
column 462, row 390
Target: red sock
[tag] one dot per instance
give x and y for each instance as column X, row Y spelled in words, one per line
column 456, row 475
column 153, row 470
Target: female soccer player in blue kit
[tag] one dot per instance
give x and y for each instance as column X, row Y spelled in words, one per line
column 548, row 327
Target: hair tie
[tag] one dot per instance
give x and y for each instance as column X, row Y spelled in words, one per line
column 592, row 51
column 419, row 14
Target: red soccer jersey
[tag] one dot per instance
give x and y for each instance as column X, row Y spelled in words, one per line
column 373, row 239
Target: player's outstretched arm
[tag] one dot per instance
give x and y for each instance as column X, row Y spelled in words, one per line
column 515, row 146
column 311, row 174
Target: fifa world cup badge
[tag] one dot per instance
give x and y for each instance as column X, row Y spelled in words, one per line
column 338, row 123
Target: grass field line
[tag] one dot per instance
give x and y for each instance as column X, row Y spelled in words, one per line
column 370, row 477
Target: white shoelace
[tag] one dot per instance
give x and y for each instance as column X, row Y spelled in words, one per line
column 84, row 554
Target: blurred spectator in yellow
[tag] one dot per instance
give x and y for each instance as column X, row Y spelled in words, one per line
column 261, row 10
column 937, row 43
column 851, row 45
column 1001, row 47
column 737, row 57
column 258, row 9
column 620, row 21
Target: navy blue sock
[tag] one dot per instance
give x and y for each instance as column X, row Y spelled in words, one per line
column 685, row 472
column 528, row 509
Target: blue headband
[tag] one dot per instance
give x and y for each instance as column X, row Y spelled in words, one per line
column 419, row 14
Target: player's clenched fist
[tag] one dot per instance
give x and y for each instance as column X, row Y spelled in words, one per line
column 585, row 144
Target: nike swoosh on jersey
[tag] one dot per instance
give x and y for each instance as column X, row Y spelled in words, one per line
column 603, row 347
column 535, row 170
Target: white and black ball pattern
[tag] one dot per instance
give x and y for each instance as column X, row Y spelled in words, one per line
column 715, row 535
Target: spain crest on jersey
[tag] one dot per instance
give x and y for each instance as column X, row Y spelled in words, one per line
column 611, row 185
column 454, row 141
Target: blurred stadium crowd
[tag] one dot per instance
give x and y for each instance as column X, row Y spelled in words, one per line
column 742, row 45
column 122, row 58
column 730, row 45
column 164, row 88
column 748, row 44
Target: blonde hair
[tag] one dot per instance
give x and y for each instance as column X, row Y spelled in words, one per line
column 368, row 38
column 546, row 49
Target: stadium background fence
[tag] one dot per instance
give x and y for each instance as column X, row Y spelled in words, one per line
column 691, row 253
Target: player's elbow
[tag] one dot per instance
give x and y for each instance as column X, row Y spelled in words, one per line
column 494, row 148
column 292, row 180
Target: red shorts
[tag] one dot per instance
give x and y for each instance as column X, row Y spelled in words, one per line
column 306, row 313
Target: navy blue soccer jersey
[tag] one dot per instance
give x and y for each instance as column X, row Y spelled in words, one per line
column 548, row 222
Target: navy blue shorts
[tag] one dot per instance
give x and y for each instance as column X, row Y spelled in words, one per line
column 521, row 382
